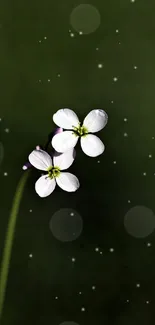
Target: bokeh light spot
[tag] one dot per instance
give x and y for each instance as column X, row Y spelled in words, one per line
column 139, row 221
column 66, row 225
column 85, row 18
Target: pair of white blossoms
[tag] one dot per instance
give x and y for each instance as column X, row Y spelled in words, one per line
column 63, row 143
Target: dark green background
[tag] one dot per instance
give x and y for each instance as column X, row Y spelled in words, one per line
column 26, row 108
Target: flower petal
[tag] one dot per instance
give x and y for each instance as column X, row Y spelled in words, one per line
column 64, row 160
column 44, row 186
column 95, row 120
column 91, row 145
column 64, row 141
column 65, row 118
column 68, row 182
column 40, row 159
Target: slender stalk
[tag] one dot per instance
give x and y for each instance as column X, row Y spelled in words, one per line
column 9, row 239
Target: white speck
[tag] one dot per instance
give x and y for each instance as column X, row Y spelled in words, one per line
column 80, row 293
column 72, row 214
column 30, row 255
column 98, row 161
column 39, row 41
column 127, row 300
column 5, row 174
column 0, row 119
column 148, row 244
column 112, row 101
column 97, row 48
column 49, row 80
column 125, row 135
column 101, row 253
column 152, row 138
column 96, row 249
column 147, row 302
column 30, row 210
column 7, row 130
column 119, row 43
column 138, row 285
column 144, row 174
column 39, row 80
column 132, row 1
column 93, row 287
column 83, row 309
column 114, row 162
column 129, row 201
column 135, row 67
column 150, row 156
column 111, row 250
column 80, row 33
column 117, row 31
column 56, row 298
column 125, row 119
column 58, row 75
column 24, row 167
column 45, row 37
column 72, row 35
column 73, row 259
column 100, row 65
column 115, row 79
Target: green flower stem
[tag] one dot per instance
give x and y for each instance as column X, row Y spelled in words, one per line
column 9, row 239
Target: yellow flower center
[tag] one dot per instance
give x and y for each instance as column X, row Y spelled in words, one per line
column 53, row 172
column 80, row 131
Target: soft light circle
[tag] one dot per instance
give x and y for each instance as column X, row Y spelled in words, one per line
column 85, row 18
column 139, row 221
column 66, row 225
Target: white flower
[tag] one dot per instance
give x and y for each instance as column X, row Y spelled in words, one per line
column 45, row 185
column 90, row 143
